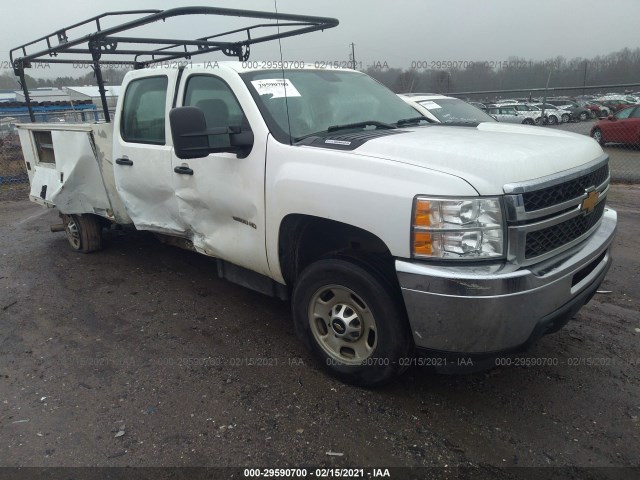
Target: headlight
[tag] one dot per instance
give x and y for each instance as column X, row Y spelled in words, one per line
column 457, row 228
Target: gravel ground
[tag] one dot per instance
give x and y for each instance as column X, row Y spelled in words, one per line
column 139, row 356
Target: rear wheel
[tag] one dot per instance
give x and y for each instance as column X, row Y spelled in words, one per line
column 528, row 121
column 84, row 232
column 351, row 318
column 552, row 119
column 597, row 136
column 583, row 116
column 565, row 117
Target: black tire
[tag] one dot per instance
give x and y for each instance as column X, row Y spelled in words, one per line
column 528, row 121
column 597, row 136
column 552, row 119
column 332, row 289
column 584, row 116
column 84, row 232
column 565, row 117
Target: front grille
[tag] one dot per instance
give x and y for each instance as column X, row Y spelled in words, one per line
column 548, row 239
column 566, row 191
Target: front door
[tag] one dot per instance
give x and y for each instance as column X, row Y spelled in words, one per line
column 221, row 196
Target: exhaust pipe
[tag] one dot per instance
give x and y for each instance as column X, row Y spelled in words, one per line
column 57, row 228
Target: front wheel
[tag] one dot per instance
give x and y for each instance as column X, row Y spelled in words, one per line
column 84, row 232
column 597, row 136
column 583, row 116
column 553, row 120
column 565, row 117
column 528, row 121
column 352, row 319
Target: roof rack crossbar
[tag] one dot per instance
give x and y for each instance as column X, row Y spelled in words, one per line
column 88, row 49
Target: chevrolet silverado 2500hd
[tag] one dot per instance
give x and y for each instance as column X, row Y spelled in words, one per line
column 389, row 234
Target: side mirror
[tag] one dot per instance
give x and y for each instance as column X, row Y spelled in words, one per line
column 191, row 135
column 188, row 125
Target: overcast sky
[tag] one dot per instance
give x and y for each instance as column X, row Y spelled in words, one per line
column 397, row 32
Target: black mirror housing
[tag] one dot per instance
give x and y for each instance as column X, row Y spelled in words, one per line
column 188, row 126
column 191, row 135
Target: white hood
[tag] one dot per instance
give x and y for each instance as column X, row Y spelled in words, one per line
column 488, row 156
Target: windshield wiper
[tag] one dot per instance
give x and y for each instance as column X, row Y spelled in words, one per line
column 347, row 126
column 462, row 123
column 407, row 121
column 364, row 124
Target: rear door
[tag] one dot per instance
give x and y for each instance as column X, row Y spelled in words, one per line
column 142, row 155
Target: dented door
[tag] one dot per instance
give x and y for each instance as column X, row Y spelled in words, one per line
column 221, row 197
column 142, row 155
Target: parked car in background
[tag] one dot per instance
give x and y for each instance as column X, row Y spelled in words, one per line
column 616, row 104
column 448, row 110
column 553, row 114
column 527, row 110
column 622, row 127
column 600, row 108
column 594, row 109
column 508, row 114
column 575, row 111
column 479, row 105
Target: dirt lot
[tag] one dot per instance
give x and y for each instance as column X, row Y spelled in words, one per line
column 136, row 356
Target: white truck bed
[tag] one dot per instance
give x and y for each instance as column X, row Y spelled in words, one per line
column 70, row 167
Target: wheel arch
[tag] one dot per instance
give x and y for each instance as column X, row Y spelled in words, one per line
column 303, row 239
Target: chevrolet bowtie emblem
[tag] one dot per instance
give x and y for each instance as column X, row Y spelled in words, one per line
column 589, row 203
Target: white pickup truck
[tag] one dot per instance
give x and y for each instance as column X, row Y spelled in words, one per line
column 391, row 236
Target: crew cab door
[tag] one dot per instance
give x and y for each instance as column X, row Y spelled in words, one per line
column 221, row 196
column 142, row 155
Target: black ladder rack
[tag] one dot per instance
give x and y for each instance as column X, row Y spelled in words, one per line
column 89, row 49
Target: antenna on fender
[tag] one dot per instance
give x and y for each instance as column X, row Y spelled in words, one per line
column 284, row 81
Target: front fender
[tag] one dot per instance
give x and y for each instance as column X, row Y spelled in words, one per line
column 370, row 193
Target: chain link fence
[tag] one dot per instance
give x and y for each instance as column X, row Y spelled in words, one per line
column 14, row 182
column 621, row 142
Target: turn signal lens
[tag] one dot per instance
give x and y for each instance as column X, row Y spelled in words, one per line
column 422, row 215
column 422, row 244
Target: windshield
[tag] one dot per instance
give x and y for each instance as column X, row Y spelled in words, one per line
column 453, row 110
column 319, row 99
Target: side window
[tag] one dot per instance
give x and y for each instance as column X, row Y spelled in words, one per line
column 220, row 106
column 636, row 113
column 623, row 114
column 143, row 111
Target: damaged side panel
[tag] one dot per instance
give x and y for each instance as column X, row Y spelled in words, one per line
column 63, row 170
column 102, row 143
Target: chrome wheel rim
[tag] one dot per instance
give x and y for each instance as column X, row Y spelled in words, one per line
column 597, row 136
column 342, row 324
column 73, row 234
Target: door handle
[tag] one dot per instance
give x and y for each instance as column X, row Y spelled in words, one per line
column 124, row 161
column 182, row 170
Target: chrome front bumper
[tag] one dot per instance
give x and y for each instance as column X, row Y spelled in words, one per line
column 495, row 308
